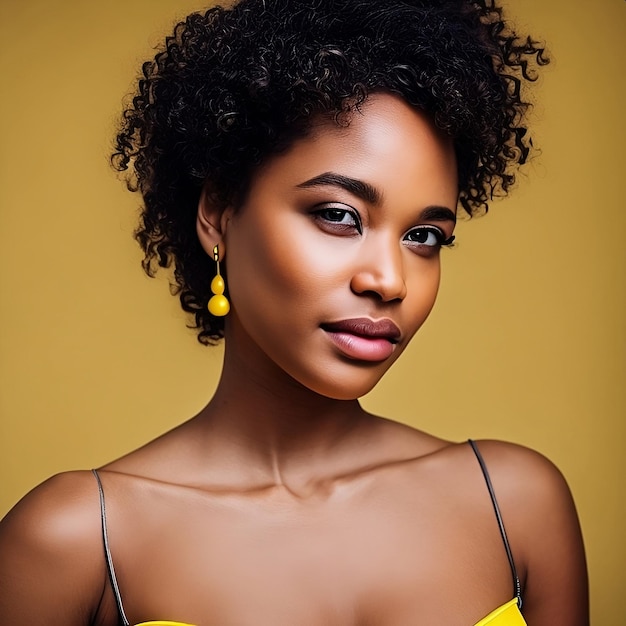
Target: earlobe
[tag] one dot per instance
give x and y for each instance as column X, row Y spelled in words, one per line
column 211, row 223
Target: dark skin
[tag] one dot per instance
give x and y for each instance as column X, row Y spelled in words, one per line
column 283, row 501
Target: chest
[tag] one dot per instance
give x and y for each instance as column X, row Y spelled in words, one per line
column 384, row 561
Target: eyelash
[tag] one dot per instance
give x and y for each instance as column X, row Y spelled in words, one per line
column 324, row 215
column 439, row 236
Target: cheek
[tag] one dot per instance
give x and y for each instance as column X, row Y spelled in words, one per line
column 287, row 253
column 270, row 266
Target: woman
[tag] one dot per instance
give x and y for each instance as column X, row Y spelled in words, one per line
column 301, row 164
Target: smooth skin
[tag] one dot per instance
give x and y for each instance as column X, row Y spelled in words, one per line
column 284, row 502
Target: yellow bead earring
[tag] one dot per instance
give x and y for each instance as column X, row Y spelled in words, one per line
column 218, row 304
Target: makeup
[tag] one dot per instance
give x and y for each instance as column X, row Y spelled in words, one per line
column 363, row 339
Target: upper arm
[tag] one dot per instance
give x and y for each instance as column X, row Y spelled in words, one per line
column 51, row 564
column 543, row 528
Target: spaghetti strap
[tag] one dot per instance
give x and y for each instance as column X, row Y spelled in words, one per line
column 517, row 590
column 107, row 554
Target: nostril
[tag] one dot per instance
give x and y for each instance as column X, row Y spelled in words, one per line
column 383, row 288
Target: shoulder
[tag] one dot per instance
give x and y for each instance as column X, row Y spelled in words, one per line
column 518, row 465
column 542, row 524
column 51, row 550
column 518, row 473
column 529, row 488
column 62, row 509
column 524, row 480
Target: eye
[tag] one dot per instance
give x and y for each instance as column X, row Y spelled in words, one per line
column 428, row 237
column 338, row 219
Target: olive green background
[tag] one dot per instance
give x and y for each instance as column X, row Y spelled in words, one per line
column 526, row 343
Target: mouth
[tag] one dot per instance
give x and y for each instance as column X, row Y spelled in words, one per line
column 363, row 339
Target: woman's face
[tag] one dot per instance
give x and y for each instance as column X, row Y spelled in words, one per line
column 333, row 259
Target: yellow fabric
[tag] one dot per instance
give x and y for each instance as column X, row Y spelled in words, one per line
column 162, row 623
column 506, row 615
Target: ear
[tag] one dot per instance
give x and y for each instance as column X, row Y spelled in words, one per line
column 211, row 223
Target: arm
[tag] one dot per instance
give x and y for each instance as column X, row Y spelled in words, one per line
column 545, row 535
column 51, row 563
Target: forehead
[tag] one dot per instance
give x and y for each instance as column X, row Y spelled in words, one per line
column 386, row 143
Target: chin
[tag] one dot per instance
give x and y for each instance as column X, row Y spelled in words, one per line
column 346, row 387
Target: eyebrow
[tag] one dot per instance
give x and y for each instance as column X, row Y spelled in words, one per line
column 438, row 214
column 356, row 187
column 370, row 194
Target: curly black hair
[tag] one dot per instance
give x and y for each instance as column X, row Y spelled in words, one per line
column 233, row 86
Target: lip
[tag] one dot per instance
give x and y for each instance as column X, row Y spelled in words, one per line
column 365, row 327
column 364, row 339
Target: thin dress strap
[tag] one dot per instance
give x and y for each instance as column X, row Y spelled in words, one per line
column 107, row 554
column 517, row 589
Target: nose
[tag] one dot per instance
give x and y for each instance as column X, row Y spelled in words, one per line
column 380, row 270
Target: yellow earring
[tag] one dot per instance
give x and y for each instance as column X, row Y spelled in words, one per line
column 218, row 304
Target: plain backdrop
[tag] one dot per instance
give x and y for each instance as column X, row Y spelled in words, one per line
column 527, row 341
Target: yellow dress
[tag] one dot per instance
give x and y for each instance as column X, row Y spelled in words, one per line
column 506, row 615
column 162, row 623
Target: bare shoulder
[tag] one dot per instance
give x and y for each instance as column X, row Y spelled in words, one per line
column 541, row 521
column 52, row 567
column 527, row 484
column 522, row 472
column 58, row 507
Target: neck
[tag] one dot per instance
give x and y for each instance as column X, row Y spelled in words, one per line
column 284, row 433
